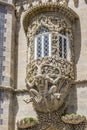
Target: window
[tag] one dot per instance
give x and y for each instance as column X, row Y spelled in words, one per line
column 3, row 12
column 42, row 43
column 63, row 46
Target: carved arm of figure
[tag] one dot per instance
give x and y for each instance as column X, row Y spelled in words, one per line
column 53, row 91
column 33, row 94
column 30, row 85
column 35, row 97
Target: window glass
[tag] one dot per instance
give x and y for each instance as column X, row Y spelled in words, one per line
column 63, row 46
column 42, row 43
column 39, row 46
column 46, row 45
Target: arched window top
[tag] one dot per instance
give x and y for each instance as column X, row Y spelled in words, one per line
column 41, row 30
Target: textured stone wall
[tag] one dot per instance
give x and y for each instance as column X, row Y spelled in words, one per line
column 1, row 108
column 8, row 13
column 82, row 98
column 7, row 115
column 22, row 54
column 7, row 120
column 8, row 78
column 81, row 41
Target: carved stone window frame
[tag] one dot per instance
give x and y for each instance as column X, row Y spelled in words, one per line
column 46, row 21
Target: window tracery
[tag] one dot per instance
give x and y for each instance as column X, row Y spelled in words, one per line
column 42, row 43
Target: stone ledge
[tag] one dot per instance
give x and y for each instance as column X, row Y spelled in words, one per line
column 10, row 89
column 7, row 88
column 73, row 119
column 21, row 91
column 26, row 125
column 80, row 81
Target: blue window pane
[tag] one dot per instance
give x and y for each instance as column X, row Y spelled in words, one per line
column 42, row 42
column 63, row 41
column 46, row 45
column 60, row 46
column 39, row 48
column 65, row 48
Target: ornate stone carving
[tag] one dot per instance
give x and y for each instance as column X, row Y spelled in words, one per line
column 46, row 6
column 55, row 25
column 50, row 66
column 49, row 79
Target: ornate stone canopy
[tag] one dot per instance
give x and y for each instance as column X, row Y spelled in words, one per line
column 48, row 7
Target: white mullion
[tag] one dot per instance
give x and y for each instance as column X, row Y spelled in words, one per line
column 42, row 45
column 58, row 45
column 68, row 48
column 35, row 53
column 49, row 44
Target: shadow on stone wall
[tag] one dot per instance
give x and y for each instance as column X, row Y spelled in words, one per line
column 72, row 101
column 15, row 108
column 86, row 1
column 77, row 44
column 18, row 26
column 77, row 50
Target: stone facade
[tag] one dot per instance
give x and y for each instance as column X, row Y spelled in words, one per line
column 22, row 19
